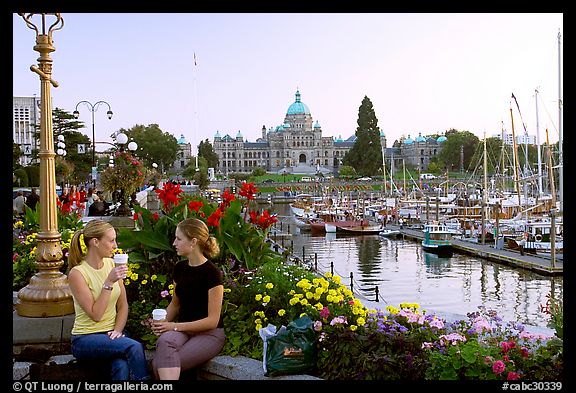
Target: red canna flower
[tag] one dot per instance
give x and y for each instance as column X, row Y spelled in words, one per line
column 214, row 219
column 248, row 190
column 169, row 195
column 195, row 205
column 227, row 197
column 155, row 216
column 266, row 220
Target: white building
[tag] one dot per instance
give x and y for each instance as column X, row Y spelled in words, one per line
column 521, row 139
column 25, row 116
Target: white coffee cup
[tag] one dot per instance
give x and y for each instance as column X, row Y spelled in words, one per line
column 159, row 314
column 121, row 260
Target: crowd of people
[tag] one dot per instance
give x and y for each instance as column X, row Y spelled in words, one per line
column 83, row 201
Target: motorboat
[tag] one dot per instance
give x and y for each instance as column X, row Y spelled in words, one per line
column 437, row 239
column 389, row 233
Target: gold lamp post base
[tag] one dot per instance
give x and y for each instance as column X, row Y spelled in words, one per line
column 47, row 295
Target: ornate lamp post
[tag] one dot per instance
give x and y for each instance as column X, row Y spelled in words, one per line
column 48, row 293
column 93, row 108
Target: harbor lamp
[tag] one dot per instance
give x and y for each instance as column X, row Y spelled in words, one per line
column 93, row 108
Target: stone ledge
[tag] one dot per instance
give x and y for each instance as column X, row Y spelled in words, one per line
column 241, row 368
column 66, row 367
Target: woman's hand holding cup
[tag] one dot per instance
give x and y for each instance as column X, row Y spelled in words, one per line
column 158, row 315
column 121, row 264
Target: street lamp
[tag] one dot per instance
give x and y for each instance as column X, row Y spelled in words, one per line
column 48, row 293
column 93, row 108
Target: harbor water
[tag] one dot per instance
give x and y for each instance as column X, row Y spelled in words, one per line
column 403, row 272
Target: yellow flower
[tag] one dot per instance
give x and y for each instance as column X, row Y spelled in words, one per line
column 336, row 279
column 258, row 327
column 353, row 327
column 144, row 282
column 281, row 312
column 258, row 297
column 266, row 299
column 154, row 277
column 361, row 321
column 269, row 285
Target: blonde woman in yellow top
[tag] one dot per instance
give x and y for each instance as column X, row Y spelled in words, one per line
column 101, row 305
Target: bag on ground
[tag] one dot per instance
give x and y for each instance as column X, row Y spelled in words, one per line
column 290, row 350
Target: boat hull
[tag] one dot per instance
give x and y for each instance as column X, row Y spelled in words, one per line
column 320, row 226
column 360, row 230
column 439, row 249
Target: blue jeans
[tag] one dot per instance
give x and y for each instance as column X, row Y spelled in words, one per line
column 126, row 355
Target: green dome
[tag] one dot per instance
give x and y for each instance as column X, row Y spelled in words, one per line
column 298, row 107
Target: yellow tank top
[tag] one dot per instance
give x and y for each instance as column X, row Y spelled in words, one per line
column 95, row 278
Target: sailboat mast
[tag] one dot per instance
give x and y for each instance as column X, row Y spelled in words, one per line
column 538, row 146
column 503, row 158
column 561, row 139
column 551, row 172
column 485, row 196
column 515, row 157
column 384, row 169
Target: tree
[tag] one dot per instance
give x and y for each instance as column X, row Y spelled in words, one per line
column 198, row 175
column 64, row 123
column 154, row 145
column 366, row 154
column 206, row 150
column 16, row 154
column 347, row 171
column 455, row 141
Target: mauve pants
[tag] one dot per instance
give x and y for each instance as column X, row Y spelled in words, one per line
column 184, row 350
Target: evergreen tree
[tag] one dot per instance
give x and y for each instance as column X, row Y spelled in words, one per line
column 206, row 150
column 366, row 154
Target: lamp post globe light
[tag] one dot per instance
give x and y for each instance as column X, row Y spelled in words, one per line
column 93, row 108
column 48, row 293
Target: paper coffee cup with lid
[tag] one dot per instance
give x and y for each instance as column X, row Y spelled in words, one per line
column 159, row 314
column 120, row 260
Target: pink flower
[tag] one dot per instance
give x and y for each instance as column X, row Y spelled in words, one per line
column 498, row 367
column 164, row 293
column 512, row 376
column 325, row 312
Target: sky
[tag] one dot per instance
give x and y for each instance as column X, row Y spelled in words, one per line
column 195, row 74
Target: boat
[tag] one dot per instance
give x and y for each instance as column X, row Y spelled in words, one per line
column 340, row 219
column 389, row 233
column 437, row 239
column 359, row 229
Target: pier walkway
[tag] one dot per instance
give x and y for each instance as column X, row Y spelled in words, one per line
column 539, row 263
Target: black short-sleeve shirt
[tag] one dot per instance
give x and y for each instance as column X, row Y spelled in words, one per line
column 192, row 286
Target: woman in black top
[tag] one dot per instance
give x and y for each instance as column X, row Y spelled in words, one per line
column 193, row 332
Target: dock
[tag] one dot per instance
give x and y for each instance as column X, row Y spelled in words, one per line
column 539, row 263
